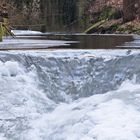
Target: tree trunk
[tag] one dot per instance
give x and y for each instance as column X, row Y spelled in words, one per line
column 138, row 1
column 43, row 5
column 128, row 10
column 1, row 32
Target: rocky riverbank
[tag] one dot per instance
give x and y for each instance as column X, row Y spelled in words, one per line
column 115, row 26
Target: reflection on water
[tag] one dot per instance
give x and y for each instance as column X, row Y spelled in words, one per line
column 89, row 41
column 100, row 41
column 68, row 41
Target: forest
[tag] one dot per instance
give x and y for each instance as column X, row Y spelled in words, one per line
column 100, row 16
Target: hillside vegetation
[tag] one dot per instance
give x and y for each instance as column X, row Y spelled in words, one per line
column 89, row 16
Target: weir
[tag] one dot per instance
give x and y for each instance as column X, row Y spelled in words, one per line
column 87, row 86
column 37, row 84
column 77, row 76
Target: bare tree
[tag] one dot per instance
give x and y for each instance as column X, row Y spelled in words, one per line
column 138, row 2
column 128, row 10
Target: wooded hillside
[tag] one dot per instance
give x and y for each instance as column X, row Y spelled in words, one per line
column 63, row 15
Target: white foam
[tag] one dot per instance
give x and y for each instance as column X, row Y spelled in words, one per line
column 85, row 54
column 100, row 117
column 23, row 105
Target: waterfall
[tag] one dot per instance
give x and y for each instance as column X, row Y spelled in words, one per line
column 69, row 95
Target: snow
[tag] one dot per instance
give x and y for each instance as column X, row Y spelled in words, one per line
column 132, row 44
column 25, row 32
column 32, row 43
column 31, row 32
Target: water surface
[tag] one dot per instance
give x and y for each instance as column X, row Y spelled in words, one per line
column 69, row 41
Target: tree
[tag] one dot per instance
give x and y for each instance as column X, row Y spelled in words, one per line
column 69, row 10
column 138, row 2
column 128, row 10
column 43, row 4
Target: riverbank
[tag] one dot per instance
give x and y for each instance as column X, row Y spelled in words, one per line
column 116, row 26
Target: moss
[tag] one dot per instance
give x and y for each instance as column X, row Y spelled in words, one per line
column 94, row 27
column 109, row 12
column 106, row 22
column 114, row 27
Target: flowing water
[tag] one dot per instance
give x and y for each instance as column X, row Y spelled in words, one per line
column 68, row 94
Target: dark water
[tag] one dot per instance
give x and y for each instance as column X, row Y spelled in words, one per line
column 100, row 41
column 70, row 41
column 88, row 41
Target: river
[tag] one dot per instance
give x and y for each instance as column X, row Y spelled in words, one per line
column 62, row 92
